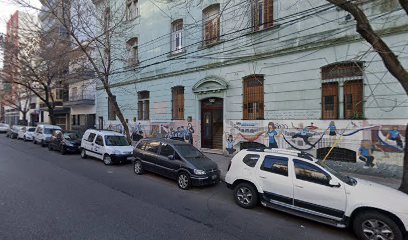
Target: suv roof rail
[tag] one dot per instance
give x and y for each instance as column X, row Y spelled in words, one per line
column 296, row 153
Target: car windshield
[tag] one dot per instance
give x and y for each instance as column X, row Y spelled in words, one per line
column 50, row 130
column 3, row 125
column 349, row 180
column 31, row 129
column 71, row 136
column 188, row 151
column 116, row 141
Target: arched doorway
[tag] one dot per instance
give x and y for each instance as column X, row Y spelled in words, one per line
column 212, row 123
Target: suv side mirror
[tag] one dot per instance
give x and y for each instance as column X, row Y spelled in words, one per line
column 334, row 183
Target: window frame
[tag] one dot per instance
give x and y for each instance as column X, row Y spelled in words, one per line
column 132, row 47
column 129, row 5
column 165, row 144
column 177, row 34
column 250, row 156
column 96, row 139
column 253, row 93
column 265, row 18
column 275, row 158
column 177, row 102
column 143, row 105
column 211, row 24
column 328, row 176
column 149, row 143
column 330, row 89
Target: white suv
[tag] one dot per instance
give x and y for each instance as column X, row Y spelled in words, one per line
column 108, row 146
column 296, row 183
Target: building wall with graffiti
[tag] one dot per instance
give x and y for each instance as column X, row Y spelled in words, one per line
column 373, row 143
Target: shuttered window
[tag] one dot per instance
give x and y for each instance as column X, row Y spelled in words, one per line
column 211, row 28
column 262, row 14
column 111, row 109
column 253, row 102
column 353, row 99
column 178, row 103
column 143, row 105
column 330, row 101
column 133, row 51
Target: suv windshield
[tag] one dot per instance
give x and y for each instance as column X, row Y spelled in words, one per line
column 116, row 141
column 50, row 130
column 349, row 180
column 71, row 136
column 188, row 151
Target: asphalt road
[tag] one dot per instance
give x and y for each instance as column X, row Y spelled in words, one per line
column 44, row 195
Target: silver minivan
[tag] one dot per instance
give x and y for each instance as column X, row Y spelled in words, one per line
column 43, row 133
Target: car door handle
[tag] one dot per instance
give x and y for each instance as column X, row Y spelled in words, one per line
column 262, row 177
column 298, row 186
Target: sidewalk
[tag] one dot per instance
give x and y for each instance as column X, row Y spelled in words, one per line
column 223, row 162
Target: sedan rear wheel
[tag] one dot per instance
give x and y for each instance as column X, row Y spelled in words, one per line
column 62, row 150
column 246, row 195
column 138, row 168
column 376, row 225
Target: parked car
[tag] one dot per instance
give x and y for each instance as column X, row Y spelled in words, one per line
column 298, row 184
column 28, row 134
column 4, row 127
column 65, row 142
column 43, row 133
column 109, row 146
column 176, row 160
column 13, row 131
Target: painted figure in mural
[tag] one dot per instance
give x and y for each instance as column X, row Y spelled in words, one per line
column 271, row 134
column 303, row 133
column 365, row 153
column 394, row 135
column 230, row 144
column 188, row 136
column 332, row 129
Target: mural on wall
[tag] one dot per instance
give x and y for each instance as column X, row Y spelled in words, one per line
column 365, row 141
column 181, row 130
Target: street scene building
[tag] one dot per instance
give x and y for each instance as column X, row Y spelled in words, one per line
column 224, row 74
column 199, row 111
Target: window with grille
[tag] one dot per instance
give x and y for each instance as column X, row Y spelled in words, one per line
column 111, row 109
column 253, row 104
column 262, row 14
column 133, row 52
column 143, row 105
column 132, row 9
column 178, row 103
column 351, row 73
column 330, row 101
column 177, row 36
column 353, row 99
column 211, row 28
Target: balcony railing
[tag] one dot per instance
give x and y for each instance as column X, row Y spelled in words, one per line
column 87, row 98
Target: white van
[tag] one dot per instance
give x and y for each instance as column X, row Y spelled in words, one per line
column 108, row 146
column 43, row 133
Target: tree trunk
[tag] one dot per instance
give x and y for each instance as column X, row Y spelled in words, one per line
column 404, row 183
column 51, row 114
column 118, row 112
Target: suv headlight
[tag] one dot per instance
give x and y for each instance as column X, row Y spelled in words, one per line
column 199, row 172
column 116, row 152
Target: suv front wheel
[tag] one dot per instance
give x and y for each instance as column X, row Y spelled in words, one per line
column 376, row 225
column 107, row 159
column 246, row 195
column 184, row 181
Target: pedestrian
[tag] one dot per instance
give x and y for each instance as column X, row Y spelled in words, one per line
column 365, row 153
column 303, row 133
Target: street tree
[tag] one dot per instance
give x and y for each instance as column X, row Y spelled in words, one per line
column 93, row 28
column 389, row 58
